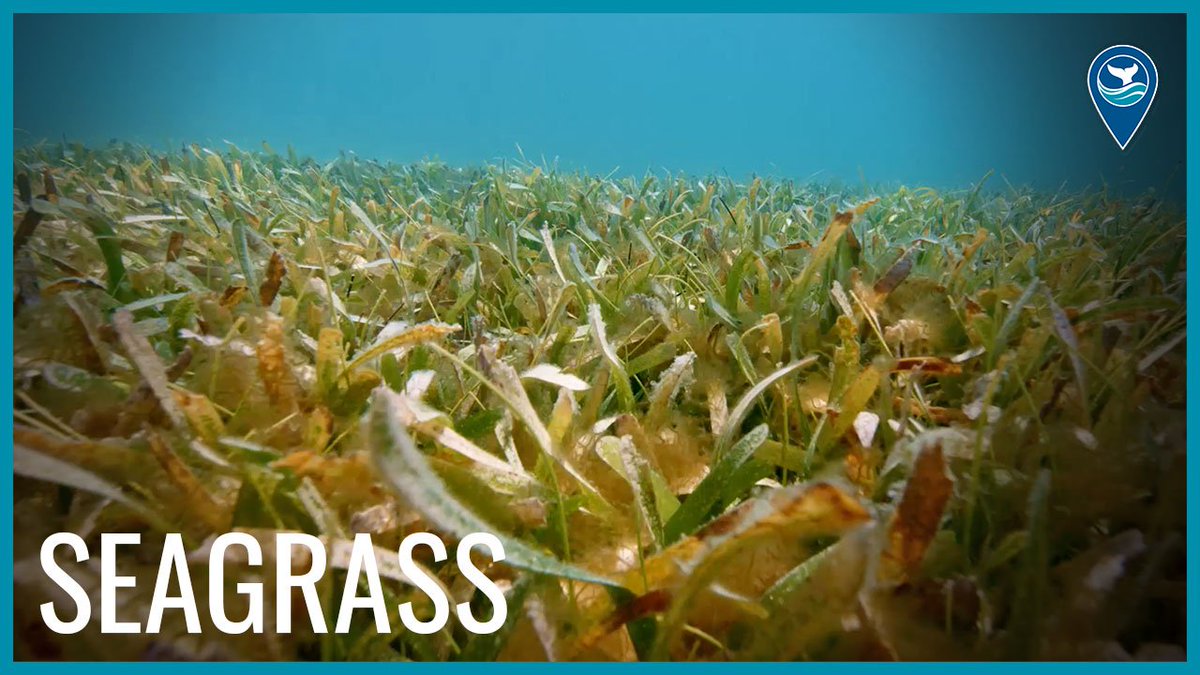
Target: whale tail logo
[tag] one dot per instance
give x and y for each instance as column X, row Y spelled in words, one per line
column 1122, row 81
column 1124, row 74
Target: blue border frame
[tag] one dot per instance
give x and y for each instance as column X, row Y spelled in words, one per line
column 594, row 6
column 12, row 7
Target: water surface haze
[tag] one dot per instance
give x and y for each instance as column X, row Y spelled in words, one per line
column 934, row 100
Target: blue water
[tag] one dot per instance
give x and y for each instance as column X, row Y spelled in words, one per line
column 921, row 100
column 1123, row 96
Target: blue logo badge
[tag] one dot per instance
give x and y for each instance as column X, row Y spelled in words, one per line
column 1122, row 80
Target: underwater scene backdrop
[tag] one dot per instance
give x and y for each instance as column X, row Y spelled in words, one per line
column 752, row 337
column 933, row 100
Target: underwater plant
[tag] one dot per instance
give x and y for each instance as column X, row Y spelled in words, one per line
column 708, row 420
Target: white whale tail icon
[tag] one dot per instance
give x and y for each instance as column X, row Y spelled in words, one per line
column 1125, row 74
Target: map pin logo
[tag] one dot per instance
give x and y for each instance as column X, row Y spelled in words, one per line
column 1122, row 81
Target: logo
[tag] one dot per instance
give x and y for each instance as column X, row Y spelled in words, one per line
column 1122, row 81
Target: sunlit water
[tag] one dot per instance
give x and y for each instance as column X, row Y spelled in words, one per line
column 878, row 100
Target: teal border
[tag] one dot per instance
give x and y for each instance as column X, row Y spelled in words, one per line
column 597, row 6
column 11, row 7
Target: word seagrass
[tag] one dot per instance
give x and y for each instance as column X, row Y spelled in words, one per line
column 292, row 550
